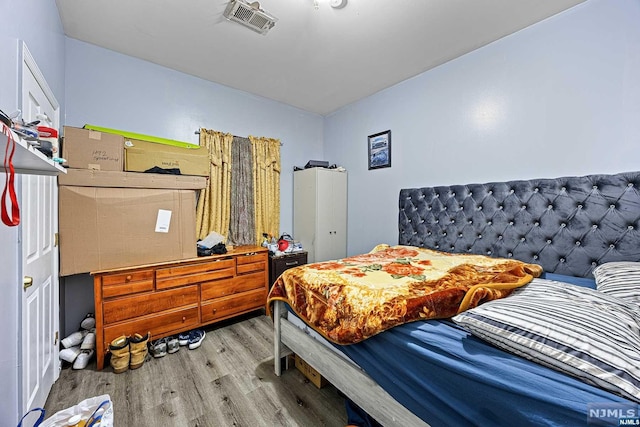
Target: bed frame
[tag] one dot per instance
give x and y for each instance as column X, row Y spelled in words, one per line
column 568, row 225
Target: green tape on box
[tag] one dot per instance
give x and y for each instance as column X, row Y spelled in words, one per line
column 142, row 137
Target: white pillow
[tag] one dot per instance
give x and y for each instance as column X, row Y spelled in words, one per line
column 620, row 279
column 580, row 331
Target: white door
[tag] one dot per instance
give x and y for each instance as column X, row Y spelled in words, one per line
column 39, row 221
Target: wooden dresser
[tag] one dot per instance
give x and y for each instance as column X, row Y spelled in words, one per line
column 172, row 297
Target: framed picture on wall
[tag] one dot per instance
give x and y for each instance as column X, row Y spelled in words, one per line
column 380, row 150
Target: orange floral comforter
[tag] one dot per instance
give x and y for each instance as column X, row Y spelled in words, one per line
column 354, row 298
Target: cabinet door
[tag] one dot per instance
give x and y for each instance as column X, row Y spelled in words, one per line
column 339, row 215
column 332, row 216
column 324, row 217
column 305, row 209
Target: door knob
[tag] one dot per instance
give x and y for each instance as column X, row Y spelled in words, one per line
column 27, row 281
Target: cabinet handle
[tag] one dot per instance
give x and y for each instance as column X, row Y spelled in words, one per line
column 128, row 278
column 184, row 318
column 214, row 311
column 289, row 264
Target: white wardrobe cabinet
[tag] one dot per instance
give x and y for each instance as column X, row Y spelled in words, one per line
column 320, row 212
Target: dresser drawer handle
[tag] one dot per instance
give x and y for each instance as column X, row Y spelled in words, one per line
column 214, row 310
column 289, row 264
column 128, row 278
column 184, row 318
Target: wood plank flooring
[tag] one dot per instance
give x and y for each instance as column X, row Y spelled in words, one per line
column 228, row 381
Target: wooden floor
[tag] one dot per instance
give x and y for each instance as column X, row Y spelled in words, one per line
column 228, row 381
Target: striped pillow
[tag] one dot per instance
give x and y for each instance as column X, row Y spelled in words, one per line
column 620, row 279
column 582, row 332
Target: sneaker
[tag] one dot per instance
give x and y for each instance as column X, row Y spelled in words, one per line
column 89, row 322
column 69, row 354
column 89, row 341
column 158, row 348
column 183, row 338
column 195, row 338
column 173, row 345
column 74, row 339
column 83, row 359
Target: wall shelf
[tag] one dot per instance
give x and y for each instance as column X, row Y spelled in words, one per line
column 28, row 160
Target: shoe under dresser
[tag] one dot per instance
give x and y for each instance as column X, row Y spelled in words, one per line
column 172, row 297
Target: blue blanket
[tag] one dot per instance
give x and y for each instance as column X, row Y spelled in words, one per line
column 448, row 377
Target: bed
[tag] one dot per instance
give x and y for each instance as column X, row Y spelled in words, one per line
column 466, row 371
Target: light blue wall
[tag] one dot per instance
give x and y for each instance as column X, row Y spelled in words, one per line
column 36, row 23
column 561, row 97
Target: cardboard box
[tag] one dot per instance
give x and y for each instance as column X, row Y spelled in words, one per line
column 311, row 374
column 90, row 149
column 142, row 155
column 104, row 228
column 94, row 178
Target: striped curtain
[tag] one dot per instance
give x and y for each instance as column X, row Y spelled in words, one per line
column 242, row 227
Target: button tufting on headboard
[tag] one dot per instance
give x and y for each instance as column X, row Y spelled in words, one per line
column 568, row 225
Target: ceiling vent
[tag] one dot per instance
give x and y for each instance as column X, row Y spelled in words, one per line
column 250, row 15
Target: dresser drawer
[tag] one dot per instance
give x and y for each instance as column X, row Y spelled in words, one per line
column 166, row 323
column 127, row 289
column 232, row 305
column 251, row 263
column 279, row 264
column 251, row 258
column 189, row 274
column 119, row 309
column 127, row 283
column 237, row 285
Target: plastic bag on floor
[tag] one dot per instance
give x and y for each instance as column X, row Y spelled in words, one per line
column 86, row 409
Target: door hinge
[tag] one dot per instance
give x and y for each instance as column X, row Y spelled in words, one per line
column 56, row 239
column 55, row 341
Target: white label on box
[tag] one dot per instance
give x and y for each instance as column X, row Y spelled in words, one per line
column 93, row 134
column 163, row 221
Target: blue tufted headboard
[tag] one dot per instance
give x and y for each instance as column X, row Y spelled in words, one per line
column 568, row 225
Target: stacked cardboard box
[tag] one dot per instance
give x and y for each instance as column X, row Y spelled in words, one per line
column 89, row 149
column 143, row 155
column 144, row 152
column 111, row 219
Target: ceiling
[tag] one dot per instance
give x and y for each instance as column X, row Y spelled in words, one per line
column 317, row 59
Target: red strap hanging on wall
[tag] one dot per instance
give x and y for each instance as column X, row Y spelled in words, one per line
column 9, row 182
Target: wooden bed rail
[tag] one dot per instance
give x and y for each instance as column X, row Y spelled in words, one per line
column 344, row 375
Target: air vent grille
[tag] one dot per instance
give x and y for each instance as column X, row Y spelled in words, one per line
column 258, row 21
column 243, row 14
column 250, row 15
